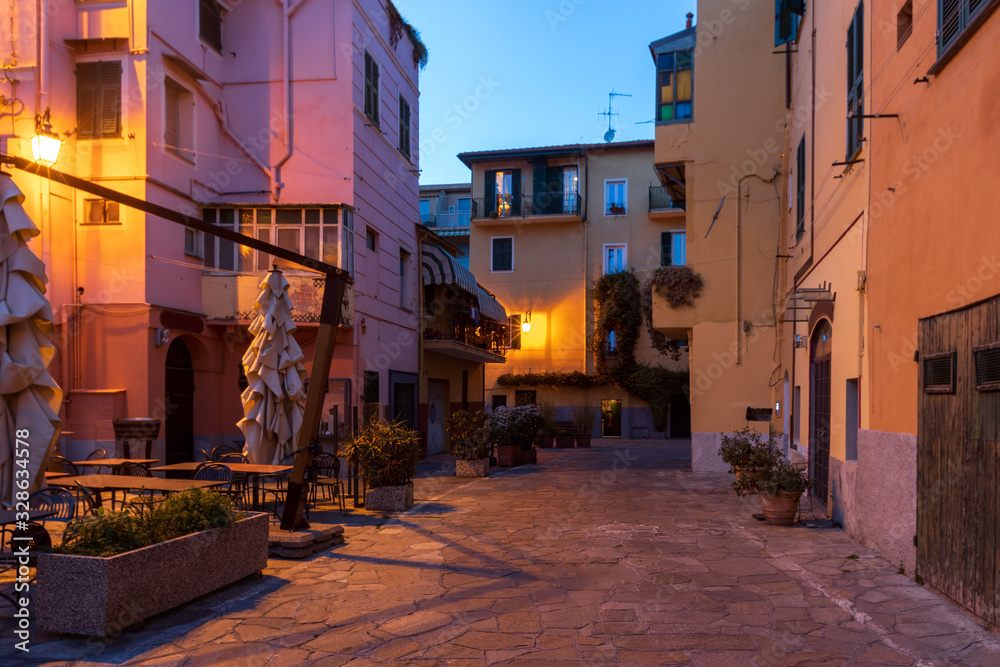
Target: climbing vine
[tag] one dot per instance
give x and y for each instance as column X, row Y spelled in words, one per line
column 680, row 286
column 397, row 26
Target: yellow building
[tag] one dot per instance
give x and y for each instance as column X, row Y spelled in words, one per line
column 720, row 125
column 546, row 224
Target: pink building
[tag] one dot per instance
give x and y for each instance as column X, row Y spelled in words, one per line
column 293, row 121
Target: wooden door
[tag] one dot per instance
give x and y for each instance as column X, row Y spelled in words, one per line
column 819, row 392
column 179, row 397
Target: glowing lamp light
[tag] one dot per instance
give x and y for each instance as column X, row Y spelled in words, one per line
column 45, row 144
column 526, row 323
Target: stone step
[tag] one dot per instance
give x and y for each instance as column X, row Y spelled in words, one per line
column 302, row 543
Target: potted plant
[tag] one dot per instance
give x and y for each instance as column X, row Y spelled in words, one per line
column 116, row 569
column 616, row 209
column 470, row 434
column 548, row 435
column 513, row 430
column 745, row 451
column 583, row 417
column 387, row 454
column 780, row 486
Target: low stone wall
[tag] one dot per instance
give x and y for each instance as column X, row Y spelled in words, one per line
column 101, row 596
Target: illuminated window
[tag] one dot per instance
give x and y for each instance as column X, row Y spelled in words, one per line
column 616, row 197
column 675, row 86
column 502, row 191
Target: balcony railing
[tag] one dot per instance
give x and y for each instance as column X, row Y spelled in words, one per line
column 489, row 337
column 446, row 220
column 659, row 199
column 528, row 205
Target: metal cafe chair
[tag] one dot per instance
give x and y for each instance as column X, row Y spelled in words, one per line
column 61, row 501
column 222, row 450
column 217, row 472
column 130, row 469
column 62, row 464
column 326, row 476
column 39, row 540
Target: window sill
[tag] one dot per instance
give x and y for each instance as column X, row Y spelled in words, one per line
column 674, row 122
column 945, row 57
column 501, row 270
column 186, row 155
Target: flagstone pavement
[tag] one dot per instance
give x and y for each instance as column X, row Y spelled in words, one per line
column 610, row 555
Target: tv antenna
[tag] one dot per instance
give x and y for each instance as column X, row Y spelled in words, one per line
column 609, row 136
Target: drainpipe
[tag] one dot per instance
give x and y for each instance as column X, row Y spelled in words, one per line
column 286, row 84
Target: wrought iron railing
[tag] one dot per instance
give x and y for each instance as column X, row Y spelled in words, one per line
column 486, row 336
column 522, row 206
column 659, row 198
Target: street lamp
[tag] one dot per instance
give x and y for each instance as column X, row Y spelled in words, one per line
column 526, row 324
column 45, row 143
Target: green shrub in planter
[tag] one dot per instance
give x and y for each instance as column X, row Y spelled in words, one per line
column 470, row 433
column 387, row 453
column 145, row 522
column 746, row 451
column 782, row 477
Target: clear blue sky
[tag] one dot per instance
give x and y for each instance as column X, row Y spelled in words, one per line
column 533, row 73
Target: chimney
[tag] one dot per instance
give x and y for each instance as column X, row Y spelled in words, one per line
column 689, row 17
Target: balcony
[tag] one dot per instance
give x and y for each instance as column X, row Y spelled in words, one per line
column 485, row 343
column 662, row 204
column 543, row 207
column 672, row 322
column 228, row 298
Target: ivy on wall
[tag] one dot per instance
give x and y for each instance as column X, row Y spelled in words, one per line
column 550, row 379
column 397, row 26
column 680, row 286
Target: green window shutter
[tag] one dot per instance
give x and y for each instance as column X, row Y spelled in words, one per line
column 86, row 99
column 540, row 201
column 489, row 193
column 665, row 250
column 514, row 325
column 111, row 99
column 554, row 189
column 515, row 191
column 800, row 190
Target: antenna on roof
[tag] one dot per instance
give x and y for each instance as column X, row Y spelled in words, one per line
column 609, row 136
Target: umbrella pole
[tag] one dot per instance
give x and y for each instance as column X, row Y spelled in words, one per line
column 329, row 319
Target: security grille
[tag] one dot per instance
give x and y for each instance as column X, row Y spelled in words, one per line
column 939, row 373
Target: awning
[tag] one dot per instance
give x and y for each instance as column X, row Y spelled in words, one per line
column 440, row 268
column 490, row 307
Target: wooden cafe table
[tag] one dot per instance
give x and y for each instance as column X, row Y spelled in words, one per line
column 253, row 470
column 98, row 483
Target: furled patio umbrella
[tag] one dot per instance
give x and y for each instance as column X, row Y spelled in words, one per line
column 29, row 397
column 274, row 401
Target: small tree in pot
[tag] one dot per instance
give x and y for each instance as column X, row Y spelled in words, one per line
column 780, row 486
column 746, row 452
column 387, row 454
column 470, row 433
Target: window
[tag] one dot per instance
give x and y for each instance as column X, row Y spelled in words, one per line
column 674, row 86
column 614, row 258
column 425, row 211
column 954, row 16
column 100, row 212
column 525, row 397
column 502, row 192
column 210, row 23
column 939, row 373
column 404, row 127
column 371, row 88
column 499, row 401
column 787, row 16
column 800, row 189
column 514, row 332
column 314, row 232
column 404, row 274
column 612, row 346
column 673, row 248
column 371, row 239
column 904, row 23
column 987, row 360
column 464, row 212
column 855, row 82
column 616, row 197
column 99, row 100
column 193, row 242
column 502, row 252
column 570, row 189
column 178, row 131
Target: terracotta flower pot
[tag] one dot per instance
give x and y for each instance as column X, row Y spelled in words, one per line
column 780, row 510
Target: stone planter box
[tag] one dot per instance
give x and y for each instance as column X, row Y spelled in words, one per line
column 546, row 440
column 389, row 498
column 583, row 439
column 506, row 455
column 476, row 468
column 87, row 595
column 564, row 441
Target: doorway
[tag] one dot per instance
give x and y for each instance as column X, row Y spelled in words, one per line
column 179, row 397
column 680, row 416
column 436, row 392
column 819, row 393
column 611, row 418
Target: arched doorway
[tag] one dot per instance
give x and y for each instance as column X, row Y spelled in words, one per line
column 179, row 397
column 819, row 408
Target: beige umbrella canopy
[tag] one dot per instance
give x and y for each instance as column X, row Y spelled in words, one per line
column 29, row 397
column 274, row 401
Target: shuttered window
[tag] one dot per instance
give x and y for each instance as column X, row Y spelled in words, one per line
column 514, row 329
column 371, row 88
column 800, row 190
column 954, row 16
column 98, row 99
column 855, row 81
column 987, row 367
column 939, row 373
column 787, row 16
column 502, row 253
column 210, row 23
column 404, row 126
